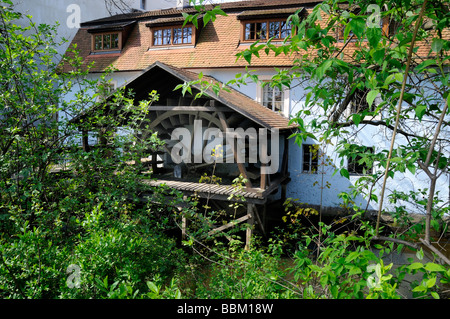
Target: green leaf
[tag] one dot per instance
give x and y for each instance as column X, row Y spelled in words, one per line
column 419, row 254
column 434, row 267
column 358, row 25
column 374, row 36
column 352, row 256
column 371, row 96
column 354, row 271
column 344, row 173
column 437, row 44
column 431, row 282
column 247, row 56
column 153, row 287
column 378, row 55
column 356, row 118
column 415, row 266
column 420, row 111
column 320, row 71
column 435, row 295
column 422, row 66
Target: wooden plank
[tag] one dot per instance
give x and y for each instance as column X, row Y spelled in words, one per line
column 250, row 222
column 230, row 224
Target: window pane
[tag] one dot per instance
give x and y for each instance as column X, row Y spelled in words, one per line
column 187, row 35
column 157, row 37
column 286, row 29
column 278, row 98
column 274, row 30
column 310, row 158
column 268, row 96
column 106, row 41
column 261, row 31
column 166, row 36
column 115, row 41
column 177, row 36
column 98, row 42
column 250, row 31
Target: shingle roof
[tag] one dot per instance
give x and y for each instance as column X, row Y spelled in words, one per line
column 232, row 98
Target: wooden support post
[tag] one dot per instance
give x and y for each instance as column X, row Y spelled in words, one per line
column 241, row 166
column 183, row 228
column 250, row 223
column 183, row 221
column 263, row 152
column 264, row 217
column 260, row 222
column 283, row 192
column 85, row 140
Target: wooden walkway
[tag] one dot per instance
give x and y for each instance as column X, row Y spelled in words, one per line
column 213, row 191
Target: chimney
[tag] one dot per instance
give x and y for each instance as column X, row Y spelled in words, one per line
column 181, row 4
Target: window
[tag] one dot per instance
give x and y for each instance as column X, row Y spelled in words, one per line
column 172, row 36
column 273, row 98
column 361, row 165
column 389, row 26
column 106, row 41
column 359, row 102
column 310, row 158
column 105, row 89
column 265, row 30
column 143, row 5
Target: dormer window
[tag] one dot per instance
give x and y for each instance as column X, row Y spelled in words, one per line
column 266, row 24
column 265, row 30
column 172, row 36
column 170, row 32
column 109, row 38
column 107, row 41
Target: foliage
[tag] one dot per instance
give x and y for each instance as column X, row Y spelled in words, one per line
column 387, row 62
column 72, row 221
column 72, row 224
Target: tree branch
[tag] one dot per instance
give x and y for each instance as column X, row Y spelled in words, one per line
column 399, row 108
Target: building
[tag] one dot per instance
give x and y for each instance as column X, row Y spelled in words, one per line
column 152, row 50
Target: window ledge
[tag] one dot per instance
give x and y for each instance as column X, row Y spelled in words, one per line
column 174, row 47
column 275, row 42
column 105, row 52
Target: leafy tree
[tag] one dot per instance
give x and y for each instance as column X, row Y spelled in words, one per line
column 388, row 61
column 72, row 224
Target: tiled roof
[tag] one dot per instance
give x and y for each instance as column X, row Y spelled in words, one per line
column 216, row 46
column 267, row 12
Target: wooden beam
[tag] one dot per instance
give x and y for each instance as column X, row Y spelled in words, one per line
column 191, row 108
column 256, row 213
column 85, row 140
column 230, row 224
column 250, row 222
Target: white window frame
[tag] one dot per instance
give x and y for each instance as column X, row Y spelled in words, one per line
column 286, row 95
column 113, row 84
column 349, row 111
column 310, row 160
